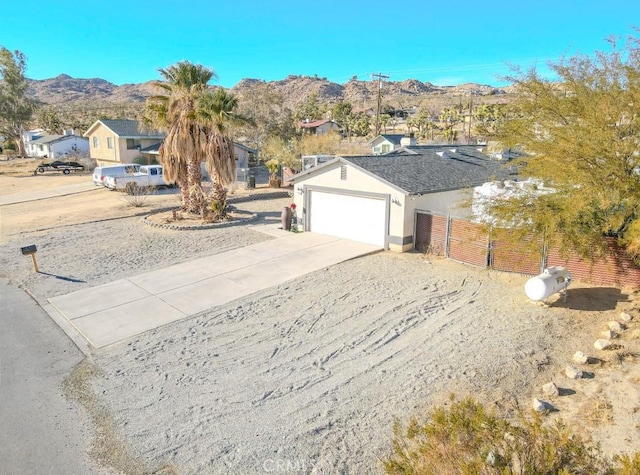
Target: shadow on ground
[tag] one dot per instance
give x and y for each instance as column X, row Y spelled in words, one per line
column 61, row 277
column 596, row 299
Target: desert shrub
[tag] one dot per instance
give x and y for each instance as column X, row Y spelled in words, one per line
column 10, row 145
column 88, row 163
column 467, row 439
column 628, row 464
column 140, row 160
column 136, row 196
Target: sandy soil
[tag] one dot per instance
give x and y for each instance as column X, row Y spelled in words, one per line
column 308, row 377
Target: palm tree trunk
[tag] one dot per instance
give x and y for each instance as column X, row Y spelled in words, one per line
column 195, row 202
column 220, row 199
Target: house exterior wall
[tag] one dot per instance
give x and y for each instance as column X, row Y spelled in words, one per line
column 382, row 146
column 37, row 150
column 356, row 181
column 126, row 155
column 27, row 138
column 106, row 156
column 72, row 145
column 242, row 157
column 102, row 154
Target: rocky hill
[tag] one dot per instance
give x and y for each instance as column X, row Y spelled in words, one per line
column 64, row 90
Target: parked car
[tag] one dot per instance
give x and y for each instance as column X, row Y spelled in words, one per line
column 147, row 176
column 100, row 173
column 59, row 166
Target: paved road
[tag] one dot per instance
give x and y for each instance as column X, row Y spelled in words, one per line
column 48, row 193
column 40, row 431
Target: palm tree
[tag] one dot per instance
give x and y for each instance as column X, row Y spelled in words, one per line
column 196, row 121
column 218, row 109
column 175, row 111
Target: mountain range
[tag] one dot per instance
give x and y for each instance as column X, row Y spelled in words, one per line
column 63, row 90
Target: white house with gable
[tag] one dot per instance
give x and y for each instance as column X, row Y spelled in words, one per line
column 40, row 144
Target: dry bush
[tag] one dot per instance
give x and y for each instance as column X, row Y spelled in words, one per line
column 136, row 196
column 628, row 464
column 467, row 439
column 598, row 410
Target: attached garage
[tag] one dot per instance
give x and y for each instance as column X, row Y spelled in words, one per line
column 358, row 217
column 375, row 199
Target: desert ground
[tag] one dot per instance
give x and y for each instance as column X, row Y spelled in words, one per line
column 309, row 376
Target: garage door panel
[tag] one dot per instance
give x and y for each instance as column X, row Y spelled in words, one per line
column 347, row 216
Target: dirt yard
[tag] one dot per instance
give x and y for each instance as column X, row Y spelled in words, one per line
column 309, row 376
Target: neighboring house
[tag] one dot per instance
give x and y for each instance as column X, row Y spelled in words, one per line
column 374, row 199
column 119, row 141
column 386, row 143
column 29, row 135
column 319, row 127
column 40, row 144
column 243, row 155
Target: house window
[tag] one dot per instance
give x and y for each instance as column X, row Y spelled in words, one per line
column 133, row 144
column 109, row 142
column 343, row 172
column 96, row 142
column 386, row 148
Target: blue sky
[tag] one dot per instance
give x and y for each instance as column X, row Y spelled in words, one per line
column 445, row 43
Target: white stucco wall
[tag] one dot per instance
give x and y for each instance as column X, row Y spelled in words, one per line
column 446, row 202
column 72, row 145
column 330, row 177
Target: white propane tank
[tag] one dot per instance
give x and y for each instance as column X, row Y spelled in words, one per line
column 552, row 280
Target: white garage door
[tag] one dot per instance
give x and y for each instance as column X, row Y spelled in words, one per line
column 347, row 216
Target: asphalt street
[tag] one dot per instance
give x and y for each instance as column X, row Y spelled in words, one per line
column 40, row 430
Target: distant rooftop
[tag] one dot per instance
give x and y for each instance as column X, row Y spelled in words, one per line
column 126, row 128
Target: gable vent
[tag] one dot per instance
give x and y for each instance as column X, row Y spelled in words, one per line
column 343, row 172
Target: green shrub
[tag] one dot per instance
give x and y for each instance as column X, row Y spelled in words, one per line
column 140, row 160
column 467, row 439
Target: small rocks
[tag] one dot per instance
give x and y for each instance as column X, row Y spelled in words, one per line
column 538, row 405
column 625, row 317
column 580, row 358
column 609, row 335
column 572, row 372
column 550, row 389
column 615, row 326
column 602, row 344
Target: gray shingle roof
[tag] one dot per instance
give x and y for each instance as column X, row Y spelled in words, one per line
column 44, row 139
column 393, row 138
column 427, row 171
column 130, row 128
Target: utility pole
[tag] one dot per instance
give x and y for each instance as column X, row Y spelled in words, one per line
column 470, row 117
column 379, row 77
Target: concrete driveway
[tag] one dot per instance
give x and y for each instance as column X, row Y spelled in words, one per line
column 112, row 312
